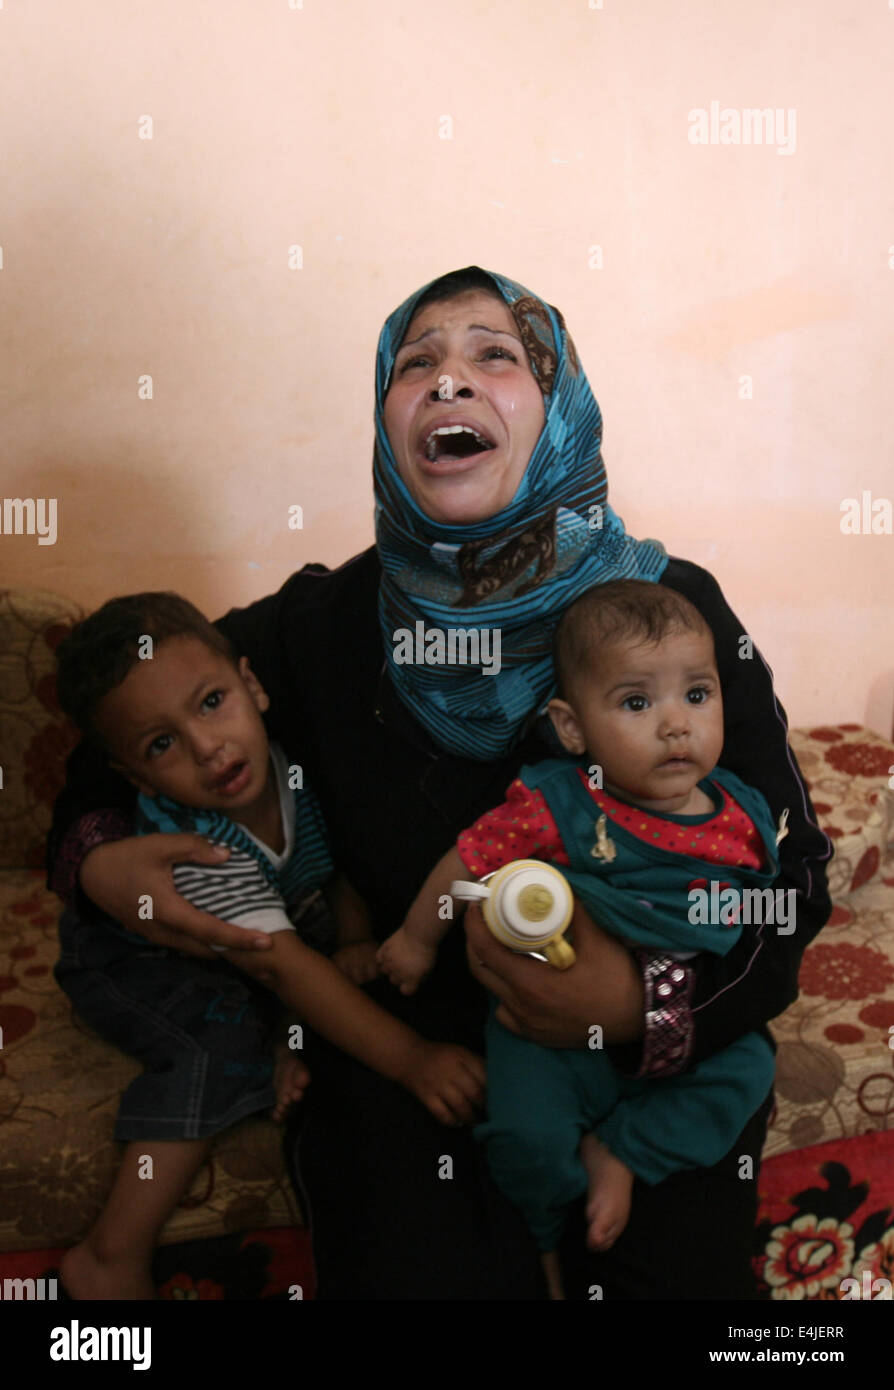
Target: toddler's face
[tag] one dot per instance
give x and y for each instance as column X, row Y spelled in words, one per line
column 187, row 724
column 650, row 716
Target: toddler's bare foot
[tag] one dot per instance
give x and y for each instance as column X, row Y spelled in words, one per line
column 88, row 1276
column 608, row 1201
column 290, row 1081
column 549, row 1259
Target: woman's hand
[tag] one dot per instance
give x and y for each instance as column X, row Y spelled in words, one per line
column 557, row 1008
column 118, row 874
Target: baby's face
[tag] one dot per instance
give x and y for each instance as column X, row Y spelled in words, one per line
column 187, row 724
column 650, row 716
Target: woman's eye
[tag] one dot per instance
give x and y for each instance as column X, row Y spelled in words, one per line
column 159, row 745
column 213, row 700
column 487, row 354
column 636, row 703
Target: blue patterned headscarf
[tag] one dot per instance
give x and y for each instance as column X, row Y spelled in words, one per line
column 515, row 572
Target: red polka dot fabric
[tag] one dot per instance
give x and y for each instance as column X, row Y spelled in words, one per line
column 729, row 837
column 523, row 828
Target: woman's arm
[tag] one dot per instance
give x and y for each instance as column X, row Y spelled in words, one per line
column 559, row 1008
column 758, row 979
column 94, row 807
column 280, row 635
column 125, row 878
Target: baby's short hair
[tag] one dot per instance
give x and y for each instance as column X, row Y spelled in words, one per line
column 623, row 610
column 99, row 652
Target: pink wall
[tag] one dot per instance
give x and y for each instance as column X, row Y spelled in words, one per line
column 322, row 126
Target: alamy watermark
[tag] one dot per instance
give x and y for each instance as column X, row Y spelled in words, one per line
column 79, row 1342
column 29, row 1290
column 872, row 1289
column 866, row 515
column 30, row 516
column 452, row 646
column 728, row 125
column 724, row 906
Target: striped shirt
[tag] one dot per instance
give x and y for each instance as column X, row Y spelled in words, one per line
column 255, row 887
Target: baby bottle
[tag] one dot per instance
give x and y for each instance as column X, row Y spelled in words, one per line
column 527, row 905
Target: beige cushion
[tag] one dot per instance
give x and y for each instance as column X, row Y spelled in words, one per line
column 848, row 769
column 59, row 1091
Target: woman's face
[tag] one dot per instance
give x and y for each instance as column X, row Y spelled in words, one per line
column 462, row 363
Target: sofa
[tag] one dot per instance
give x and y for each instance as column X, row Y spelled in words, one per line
column 826, row 1185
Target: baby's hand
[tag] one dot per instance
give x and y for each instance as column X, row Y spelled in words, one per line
column 405, row 961
column 357, row 961
column 449, row 1080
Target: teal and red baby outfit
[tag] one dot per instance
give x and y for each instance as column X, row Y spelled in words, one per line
column 638, row 875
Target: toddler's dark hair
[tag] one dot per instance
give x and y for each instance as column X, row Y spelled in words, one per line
column 96, row 655
column 621, row 611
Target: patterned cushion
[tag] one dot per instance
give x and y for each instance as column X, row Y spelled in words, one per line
column 835, row 1063
column 848, row 769
column 824, row 1218
column 34, row 735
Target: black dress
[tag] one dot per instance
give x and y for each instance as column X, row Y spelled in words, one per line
column 391, row 1217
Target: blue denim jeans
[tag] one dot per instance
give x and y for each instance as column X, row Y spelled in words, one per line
column 202, row 1031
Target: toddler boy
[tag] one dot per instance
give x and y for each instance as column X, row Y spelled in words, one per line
column 158, row 686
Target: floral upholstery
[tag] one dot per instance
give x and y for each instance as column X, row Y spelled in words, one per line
column 850, row 772
column 824, row 1218
column 59, row 1082
column 835, row 1060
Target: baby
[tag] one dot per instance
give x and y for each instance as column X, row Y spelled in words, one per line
column 157, row 685
column 639, row 819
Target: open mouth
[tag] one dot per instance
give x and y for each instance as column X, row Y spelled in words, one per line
column 234, row 779
column 452, row 442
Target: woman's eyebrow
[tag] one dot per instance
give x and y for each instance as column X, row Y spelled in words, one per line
column 479, row 327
